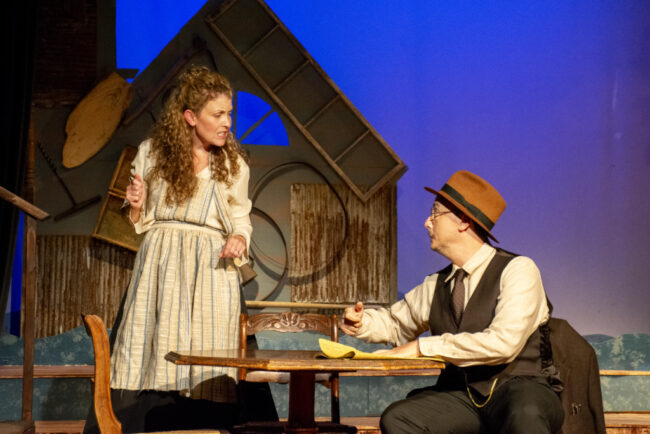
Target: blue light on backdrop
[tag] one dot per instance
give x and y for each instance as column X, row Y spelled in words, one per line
column 11, row 324
column 143, row 28
column 255, row 122
column 548, row 100
column 142, row 31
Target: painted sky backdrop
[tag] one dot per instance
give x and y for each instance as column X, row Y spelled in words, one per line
column 548, row 100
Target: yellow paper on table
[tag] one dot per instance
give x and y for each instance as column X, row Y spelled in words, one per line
column 335, row 350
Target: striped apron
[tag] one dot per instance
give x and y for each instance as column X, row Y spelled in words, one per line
column 182, row 298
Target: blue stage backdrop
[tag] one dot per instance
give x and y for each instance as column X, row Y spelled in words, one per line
column 548, row 100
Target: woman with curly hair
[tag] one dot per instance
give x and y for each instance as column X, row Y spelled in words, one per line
column 189, row 195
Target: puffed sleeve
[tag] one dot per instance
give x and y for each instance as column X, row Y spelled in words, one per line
column 240, row 204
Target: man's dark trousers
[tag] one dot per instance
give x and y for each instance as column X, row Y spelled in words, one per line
column 521, row 405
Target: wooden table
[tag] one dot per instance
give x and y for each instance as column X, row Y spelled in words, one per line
column 302, row 366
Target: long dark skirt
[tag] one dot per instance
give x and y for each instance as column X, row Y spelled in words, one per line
column 150, row 410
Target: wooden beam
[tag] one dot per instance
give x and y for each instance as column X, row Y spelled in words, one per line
column 615, row 372
column 30, row 269
column 49, row 371
column 389, row 373
column 254, row 304
column 23, row 205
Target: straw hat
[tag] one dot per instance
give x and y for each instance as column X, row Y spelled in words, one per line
column 475, row 197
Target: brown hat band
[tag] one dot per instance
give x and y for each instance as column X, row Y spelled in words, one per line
column 477, row 213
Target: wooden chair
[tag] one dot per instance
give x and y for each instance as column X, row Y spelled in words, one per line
column 291, row 322
column 106, row 420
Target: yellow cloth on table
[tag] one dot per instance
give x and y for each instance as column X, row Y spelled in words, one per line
column 335, row 350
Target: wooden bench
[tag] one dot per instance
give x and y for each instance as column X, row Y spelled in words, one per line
column 627, row 423
column 49, row 371
column 17, row 427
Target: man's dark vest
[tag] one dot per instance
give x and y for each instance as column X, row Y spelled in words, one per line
column 478, row 316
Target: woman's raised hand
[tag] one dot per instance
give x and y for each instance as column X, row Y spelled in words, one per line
column 136, row 194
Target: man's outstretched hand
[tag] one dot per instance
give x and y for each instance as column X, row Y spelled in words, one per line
column 351, row 320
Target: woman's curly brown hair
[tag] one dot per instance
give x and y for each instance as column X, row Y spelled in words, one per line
column 171, row 144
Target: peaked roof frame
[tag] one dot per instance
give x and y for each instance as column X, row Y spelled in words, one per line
column 305, row 94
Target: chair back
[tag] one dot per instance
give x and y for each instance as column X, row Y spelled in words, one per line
column 292, row 322
column 106, row 420
column 287, row 322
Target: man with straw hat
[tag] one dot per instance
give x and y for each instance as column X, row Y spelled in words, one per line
column 487, row 313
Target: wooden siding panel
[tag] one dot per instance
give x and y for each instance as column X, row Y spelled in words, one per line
column 78, row 274
column 367, row 266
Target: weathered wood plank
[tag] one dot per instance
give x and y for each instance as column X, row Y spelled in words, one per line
column 627, row 422
column 23, row 205
column 49, row 371
column 59, row 426
column 317, row 230
column 78, row 274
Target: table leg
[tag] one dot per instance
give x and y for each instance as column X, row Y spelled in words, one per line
column 301, row 403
